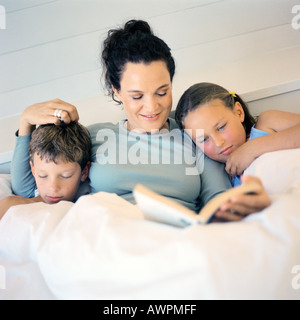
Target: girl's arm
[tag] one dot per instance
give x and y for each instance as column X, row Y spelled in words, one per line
column 284, row 129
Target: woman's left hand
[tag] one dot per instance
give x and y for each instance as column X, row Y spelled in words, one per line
column 240, row 206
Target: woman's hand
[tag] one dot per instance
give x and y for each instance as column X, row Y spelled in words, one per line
column 44, row 113
column 241, row 158
column 240, row 206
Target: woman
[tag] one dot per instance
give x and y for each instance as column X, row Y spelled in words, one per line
column 146, row 148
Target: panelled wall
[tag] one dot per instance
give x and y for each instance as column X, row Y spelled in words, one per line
column 51, row 48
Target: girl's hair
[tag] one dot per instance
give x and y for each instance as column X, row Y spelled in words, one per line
column 204, row 92
column 134, row 43
column 69, row 142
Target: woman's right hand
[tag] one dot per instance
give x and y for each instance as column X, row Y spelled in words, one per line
column 43, row 113
column 240, row 206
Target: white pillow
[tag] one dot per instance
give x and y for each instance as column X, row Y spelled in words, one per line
column 278, row 170
column 5, row 186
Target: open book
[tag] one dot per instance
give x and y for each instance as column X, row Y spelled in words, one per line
column 158, row 208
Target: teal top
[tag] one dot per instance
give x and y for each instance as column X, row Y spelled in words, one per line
column 254, row 133
column 167, row 163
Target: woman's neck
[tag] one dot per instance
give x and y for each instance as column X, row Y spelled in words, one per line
column 165, row 127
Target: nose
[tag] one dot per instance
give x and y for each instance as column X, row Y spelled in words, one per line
column 151, row 105
column 54, row 186
column 219, row 140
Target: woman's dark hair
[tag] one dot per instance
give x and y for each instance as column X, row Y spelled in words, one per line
column 134, row 43
column 201, row 93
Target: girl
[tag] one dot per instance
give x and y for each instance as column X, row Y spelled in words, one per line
column 230, row 134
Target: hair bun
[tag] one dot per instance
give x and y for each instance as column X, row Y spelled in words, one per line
column 134, row 26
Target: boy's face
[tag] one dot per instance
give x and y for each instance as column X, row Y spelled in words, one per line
column 57, row 181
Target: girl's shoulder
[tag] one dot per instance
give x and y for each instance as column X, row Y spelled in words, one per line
column 276, row 120
column 266, row 121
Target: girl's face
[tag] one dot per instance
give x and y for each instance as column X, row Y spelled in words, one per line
column 146, row 93
column 223, row 131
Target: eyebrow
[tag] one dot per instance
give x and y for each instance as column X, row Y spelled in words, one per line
column 139, row 91
column 215, row 126
column 218, row 122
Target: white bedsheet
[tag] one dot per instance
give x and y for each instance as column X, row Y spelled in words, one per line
column 102, row 248
column 5, row 186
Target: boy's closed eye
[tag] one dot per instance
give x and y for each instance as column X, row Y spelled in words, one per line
column 67, row 176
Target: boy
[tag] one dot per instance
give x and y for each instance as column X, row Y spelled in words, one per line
column 59, row 161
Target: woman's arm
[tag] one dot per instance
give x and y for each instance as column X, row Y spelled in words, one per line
column 23, row 182
column 214, row 180
column 11, row 201
column 284, row 129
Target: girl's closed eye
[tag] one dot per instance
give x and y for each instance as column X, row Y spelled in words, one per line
column 202, row 140
column 222, row 127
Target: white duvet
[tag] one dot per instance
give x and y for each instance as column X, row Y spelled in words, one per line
column 102, row 248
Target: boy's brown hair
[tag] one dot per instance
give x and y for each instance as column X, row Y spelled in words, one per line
column 69, row 142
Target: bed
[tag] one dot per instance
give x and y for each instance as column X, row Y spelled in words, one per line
column 101, row 247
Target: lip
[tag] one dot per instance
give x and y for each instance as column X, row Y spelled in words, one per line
column 151, row 117
column 226, row 151
column 54, row 199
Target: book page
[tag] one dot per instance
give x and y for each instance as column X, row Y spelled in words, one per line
column 158, row 208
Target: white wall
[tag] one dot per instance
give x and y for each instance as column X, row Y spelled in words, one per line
column 51, row 48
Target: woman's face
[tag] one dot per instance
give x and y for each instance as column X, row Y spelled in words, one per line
column 146, row 93
column 222, row 128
